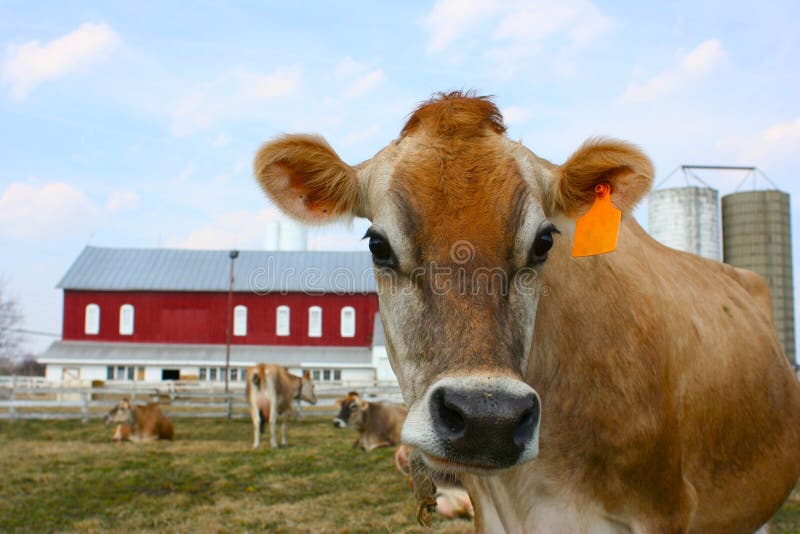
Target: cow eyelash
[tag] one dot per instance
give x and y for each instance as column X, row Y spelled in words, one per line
column 542, row 244
column 382, row 253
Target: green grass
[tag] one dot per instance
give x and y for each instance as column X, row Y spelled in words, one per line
column 65, row 476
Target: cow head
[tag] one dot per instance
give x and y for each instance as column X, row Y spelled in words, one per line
column 307, row 392
column 463, row 220
column 122, row 413
column 344, row 405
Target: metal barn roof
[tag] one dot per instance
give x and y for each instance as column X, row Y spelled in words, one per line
column 162, row 269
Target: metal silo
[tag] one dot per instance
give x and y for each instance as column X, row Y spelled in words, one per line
column 687, row 219
column 756, row 229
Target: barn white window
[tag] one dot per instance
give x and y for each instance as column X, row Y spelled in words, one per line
column 315, row 321
column 92, row 320
column 126, row 320
column 282, row 325
column 240, row 320
column 348, row 322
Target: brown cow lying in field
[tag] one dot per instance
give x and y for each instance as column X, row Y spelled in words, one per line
column 139, row 423
column 452, row 500
column 378, row 424
column 270, row 392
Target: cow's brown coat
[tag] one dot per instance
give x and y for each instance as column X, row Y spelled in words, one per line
column 271, row 391
column 139, row 423
column 667, row 403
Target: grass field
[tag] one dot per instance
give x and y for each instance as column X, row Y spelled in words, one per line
column 66, row 476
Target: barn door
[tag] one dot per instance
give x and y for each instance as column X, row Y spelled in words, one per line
column 70, row 373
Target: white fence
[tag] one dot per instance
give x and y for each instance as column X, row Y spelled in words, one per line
column 36, row 398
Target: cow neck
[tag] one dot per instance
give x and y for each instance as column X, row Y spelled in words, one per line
column 298, row 387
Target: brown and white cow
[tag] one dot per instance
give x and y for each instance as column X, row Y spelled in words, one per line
column 667, row 404
column 378, row 424
column 271, row 391
column 139, row 423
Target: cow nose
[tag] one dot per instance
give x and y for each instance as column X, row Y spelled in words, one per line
column 491, row 427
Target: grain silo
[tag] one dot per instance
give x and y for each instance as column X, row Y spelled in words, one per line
column 756, row 230
column 687, row 219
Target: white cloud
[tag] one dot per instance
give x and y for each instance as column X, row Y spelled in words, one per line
column 364, row 83
column 702, row 60
column 516, row 115
column 517, row 28
column 450, row 19
column 774, row 143
column 281, row 82
column 233, row 95
column 122, row 200
column 359, row 136
column 349, row 67
column 222, row 139
column 242, row 229
column 29, row 64
column 39, row 212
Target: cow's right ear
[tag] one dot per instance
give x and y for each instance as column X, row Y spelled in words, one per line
column 305, row 177
column 622, row 166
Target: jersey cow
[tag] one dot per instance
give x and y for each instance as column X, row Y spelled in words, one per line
column 641, row 390
column 139, row 423
column 271, row 391
column 378, row 424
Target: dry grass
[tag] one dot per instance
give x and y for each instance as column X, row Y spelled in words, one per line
column 65, row 476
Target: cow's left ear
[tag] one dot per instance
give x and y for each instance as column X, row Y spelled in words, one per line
column 308, row 180
column 623, row 166
column 307, row 374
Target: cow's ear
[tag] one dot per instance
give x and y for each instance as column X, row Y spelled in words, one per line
column 364, row 405
column 307, row 374
column 623, row 166
column 338, row 403
column 307, row 180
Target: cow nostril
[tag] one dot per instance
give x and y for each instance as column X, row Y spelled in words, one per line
column 524, row 430
column 451, row 416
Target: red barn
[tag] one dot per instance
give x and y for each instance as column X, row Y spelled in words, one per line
column 162, row 314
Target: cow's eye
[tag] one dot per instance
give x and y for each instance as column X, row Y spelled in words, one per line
column 382, row 253
column 542, row 244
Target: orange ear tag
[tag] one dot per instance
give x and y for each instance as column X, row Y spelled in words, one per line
column 597, row 230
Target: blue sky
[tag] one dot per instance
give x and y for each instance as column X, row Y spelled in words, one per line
column 134, row 124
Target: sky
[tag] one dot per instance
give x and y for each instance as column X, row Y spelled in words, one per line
column 134, row 124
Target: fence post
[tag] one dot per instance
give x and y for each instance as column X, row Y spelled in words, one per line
column 85, row 408
column 229, row 401
column 12, row 397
